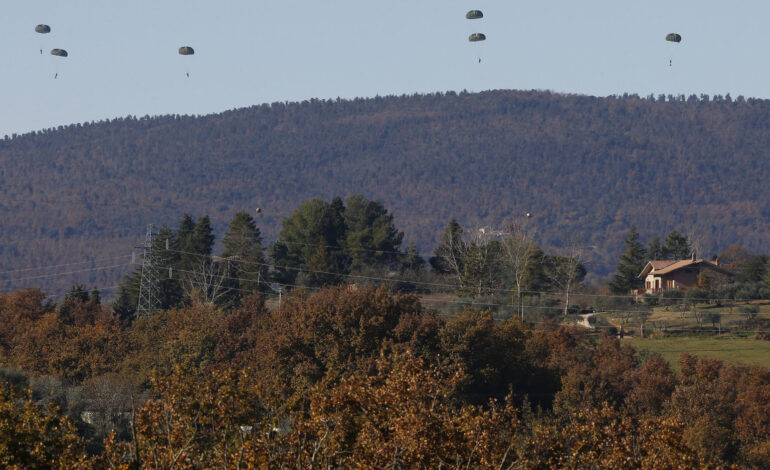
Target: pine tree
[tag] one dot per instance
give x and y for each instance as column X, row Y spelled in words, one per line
column 183, row 256
column 655, row 249
column 631, row 263
column 372, row 239
column 412, row 261
column 337, row 227
column 170, row 268
column 309, row 243
column 124, row 304
column 245, row 257
column 676, row 246
column 203, row 236
column 96, row 296
column 184, row 234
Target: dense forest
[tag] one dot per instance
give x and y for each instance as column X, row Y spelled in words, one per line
column 356, row 378
column 585, row 168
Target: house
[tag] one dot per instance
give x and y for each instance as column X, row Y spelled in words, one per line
column 660, row 275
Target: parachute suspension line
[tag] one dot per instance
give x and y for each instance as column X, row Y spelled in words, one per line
column 675, row 39
column 185, row 51
column 42, row 29
column 58, row 53
column 149, row 290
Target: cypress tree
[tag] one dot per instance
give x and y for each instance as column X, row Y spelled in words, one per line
column 631, row 263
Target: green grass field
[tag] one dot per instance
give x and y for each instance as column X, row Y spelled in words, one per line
column 740, row 350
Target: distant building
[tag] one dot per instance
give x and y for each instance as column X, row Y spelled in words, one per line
column 661, row 275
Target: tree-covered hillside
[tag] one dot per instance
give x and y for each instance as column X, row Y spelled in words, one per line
column 586, row 168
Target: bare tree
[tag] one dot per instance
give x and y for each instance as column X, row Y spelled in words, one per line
column 451, row 252
column 695, row 239
column 566, row 271
column 206, row 281
column 519, row 251
column 109, row 404
column 481, row 262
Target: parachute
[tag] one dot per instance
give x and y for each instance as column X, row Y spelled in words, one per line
column 59, row 52
column 474, row 15
column 674, row 38
column 42, row 29
column 476, row 37
column 186, row 50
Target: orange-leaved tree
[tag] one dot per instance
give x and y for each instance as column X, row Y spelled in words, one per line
column 406, row 415
column 36, row 438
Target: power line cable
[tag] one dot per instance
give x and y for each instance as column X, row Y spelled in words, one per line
column 608, row 328
column 64, row 265
column 61, row 294
column 453, row 302
column 452, row 286
column 98, row 268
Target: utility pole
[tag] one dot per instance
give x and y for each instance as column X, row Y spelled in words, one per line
column 149, row 290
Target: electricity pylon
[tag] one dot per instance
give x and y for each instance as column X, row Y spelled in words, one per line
column 149, row 289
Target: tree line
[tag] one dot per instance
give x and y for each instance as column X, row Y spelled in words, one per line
column 355, row 378
column 355, row 241
column 351, row 241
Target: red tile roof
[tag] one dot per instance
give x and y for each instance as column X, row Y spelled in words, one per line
column 660, row 267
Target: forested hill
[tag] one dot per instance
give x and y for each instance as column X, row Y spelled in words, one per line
column 586, row 168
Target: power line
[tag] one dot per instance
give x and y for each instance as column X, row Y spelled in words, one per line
column 357, row 276
column 435, row 301
column 64, row 265
column 452, row 286
column 453, row 302
column 117, row 235
column 98, row 268
column 459, row 302
column 422, row 300
column 62, row 293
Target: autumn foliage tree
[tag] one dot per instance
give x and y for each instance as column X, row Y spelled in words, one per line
column 32, row 437
column 335, row 331
column 403, row 416
column 356, row 378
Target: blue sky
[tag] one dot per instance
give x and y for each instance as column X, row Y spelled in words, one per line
column 123, row 55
